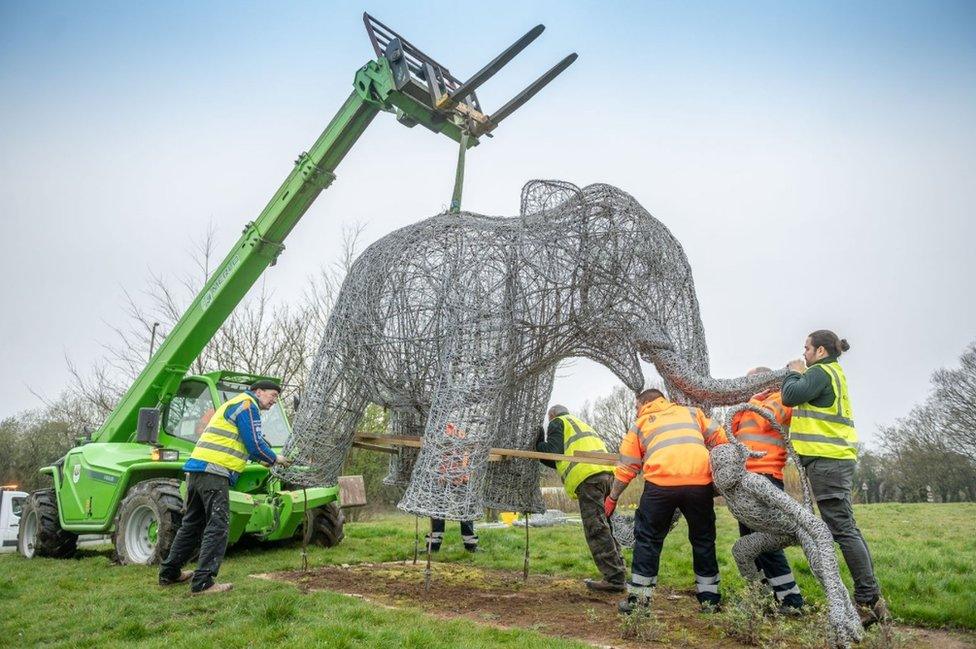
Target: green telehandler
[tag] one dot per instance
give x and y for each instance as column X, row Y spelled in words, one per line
column 126, row 479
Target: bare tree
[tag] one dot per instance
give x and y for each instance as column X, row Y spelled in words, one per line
column 934, row 446
column 585, row 412
column 955, row 394
column 38, row 437
column 261, row 336
column 323, row 288
column 614, row 413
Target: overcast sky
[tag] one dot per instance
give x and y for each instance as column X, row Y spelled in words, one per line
column 816, row 161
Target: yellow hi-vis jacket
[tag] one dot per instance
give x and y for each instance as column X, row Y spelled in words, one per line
column 826, row 432
column 221, row 443
column 578, row 436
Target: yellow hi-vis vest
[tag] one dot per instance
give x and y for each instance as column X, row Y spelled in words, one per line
column 826, row 432
column 221, row 443
column 578, row 436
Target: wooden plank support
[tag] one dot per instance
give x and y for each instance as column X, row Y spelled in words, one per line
column 391, row 450
column 375, row 447
column 388, row 444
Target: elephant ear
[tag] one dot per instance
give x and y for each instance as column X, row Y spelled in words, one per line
column 542, row 195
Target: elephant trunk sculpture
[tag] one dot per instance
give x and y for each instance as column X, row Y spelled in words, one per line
column 687, row 385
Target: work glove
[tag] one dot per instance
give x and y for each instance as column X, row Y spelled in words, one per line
column 283, row 462
column 609, row 505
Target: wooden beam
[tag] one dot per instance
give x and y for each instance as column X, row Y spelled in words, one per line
column 392, row 450
column 374, row 442
column 390, row 440
column 371, row 436
column 375, row 447
column 599, row 455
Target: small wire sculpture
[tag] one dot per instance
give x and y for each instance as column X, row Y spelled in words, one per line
column 780, row 521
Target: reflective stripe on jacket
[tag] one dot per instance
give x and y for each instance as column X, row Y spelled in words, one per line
column 670, row 443
column 578, row 436
column 221, row 443
column 759, row 435
column 826, row 431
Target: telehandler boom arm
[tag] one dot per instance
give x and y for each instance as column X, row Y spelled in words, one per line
column 402, row 80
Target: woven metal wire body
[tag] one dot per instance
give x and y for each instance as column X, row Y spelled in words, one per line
column 456, row 324
column 622, row 526
column 780, row 521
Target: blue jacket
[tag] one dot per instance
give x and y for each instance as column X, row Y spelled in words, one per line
column 247, row 419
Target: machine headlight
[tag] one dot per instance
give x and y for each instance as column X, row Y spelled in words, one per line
column 164, row 455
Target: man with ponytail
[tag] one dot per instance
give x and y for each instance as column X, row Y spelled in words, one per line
column 823, row 435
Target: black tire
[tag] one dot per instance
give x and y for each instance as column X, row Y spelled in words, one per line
column 326, row 523
column 40, row 533
column 149, row 501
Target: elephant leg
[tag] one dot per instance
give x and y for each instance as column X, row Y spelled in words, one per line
column 748, row 548
column 331, row 408
column 410, row 423
column 448, row 478
column 513, row 483
column 449, row 474
column 475, row 364
column 818, row 545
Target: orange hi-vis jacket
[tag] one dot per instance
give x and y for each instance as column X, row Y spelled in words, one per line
column 670, row 442
column 759, row 435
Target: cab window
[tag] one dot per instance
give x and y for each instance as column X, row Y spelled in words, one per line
column 189, row 412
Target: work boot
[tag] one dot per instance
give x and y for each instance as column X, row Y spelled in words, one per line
column 184, row 577
column 471, row 548
column 633, row 603
column 790, row 610
column 791, row 606
column 214, row 588
column 604, row 586
column 710, row 606
column 873, row 613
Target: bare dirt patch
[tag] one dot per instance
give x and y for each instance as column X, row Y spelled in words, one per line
column 564, row 608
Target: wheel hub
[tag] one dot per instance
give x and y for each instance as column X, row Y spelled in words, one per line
column 29, row 523
column 141, row 534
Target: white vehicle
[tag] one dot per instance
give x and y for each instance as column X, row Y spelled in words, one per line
column 10, row 504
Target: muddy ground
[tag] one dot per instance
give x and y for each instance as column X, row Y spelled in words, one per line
column 564, row 608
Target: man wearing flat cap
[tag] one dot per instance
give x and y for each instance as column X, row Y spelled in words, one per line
column 231, row 438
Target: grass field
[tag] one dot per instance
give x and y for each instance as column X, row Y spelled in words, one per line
column 925, row 557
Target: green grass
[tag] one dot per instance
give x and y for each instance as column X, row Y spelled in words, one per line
column 925, row 557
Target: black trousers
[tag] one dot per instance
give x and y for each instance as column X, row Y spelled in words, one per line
column 206, row 523
column 651, row 525
column 832, row 481
column 775, row 568
column 436, row 536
